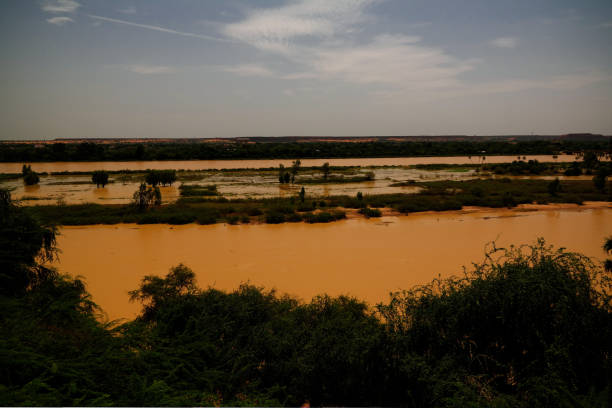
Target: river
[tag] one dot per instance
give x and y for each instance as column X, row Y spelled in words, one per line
column 359, row 257
column 49, row 167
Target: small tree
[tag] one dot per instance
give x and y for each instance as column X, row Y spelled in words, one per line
column 302, row 194
column 295, row 167
column 281, row 173
column 167, row 177
column 146, row 197
column 325, row 170
column 99, row 177
column 29, row 177
column 554, row 187
column 600, row 177
column 360, row 196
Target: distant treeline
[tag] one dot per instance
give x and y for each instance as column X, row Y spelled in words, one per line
column 528, row 327
column 289, row 150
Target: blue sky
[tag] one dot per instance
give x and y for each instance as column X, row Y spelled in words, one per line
column 199, row 68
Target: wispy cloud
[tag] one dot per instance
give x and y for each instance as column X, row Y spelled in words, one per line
column 149, row 69
column 318, row 39
column 156, row 28
column 60, row 6
column 504, row 42
column 607, row 24
column 249, row 70
column 274, row 29
column 60, row 21
column 317, row 36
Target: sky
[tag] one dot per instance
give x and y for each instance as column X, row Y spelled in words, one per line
column 203, row 68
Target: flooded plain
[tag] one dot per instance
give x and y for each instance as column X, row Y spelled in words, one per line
column 358, row 257
column 260, row 183
column 50, row 167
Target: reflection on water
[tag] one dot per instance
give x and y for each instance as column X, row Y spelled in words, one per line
column 364, row 258
column 257, row 164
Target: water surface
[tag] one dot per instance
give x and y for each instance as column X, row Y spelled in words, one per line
column 263, row 163
column 359, row 257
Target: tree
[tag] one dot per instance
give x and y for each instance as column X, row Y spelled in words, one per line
column 325, row 170
column 599, row 180
column 25, row 245
column 29, row 176
column 359, row 196
column 589, row 160
column 607, row 246
column 281, row 173
column 554, row 187
column 154, row 291
column 295, row 167
column 31, row 179
column 99, row 177
column 146, row 197
column 302, row 194
column 167, row 177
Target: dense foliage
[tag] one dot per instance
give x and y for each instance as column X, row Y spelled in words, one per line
column 88, row 151
column 528, row 327
column 99, row 178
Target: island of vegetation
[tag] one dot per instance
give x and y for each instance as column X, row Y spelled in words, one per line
column 530, row 326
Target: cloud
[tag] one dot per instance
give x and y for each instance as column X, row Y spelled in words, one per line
column 128, row 10
column 60, row 21
column 60, row 6
column 504, row 42
column 392, row 60
column 607, row 24
column 275, row 29
column 150, row 69
column 318, row 37
column 155, row 28
column 323, row 41
column 249, row 70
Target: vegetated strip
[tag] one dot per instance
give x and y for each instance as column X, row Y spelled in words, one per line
column 241, row 149
column 436, row 196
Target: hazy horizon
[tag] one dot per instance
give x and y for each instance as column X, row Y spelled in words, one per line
column 195, row 69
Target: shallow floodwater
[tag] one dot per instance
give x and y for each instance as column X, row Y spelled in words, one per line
column 77, row 189
column 359, row 257
column 49, row 167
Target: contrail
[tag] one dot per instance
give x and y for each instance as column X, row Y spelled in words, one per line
column 157, row 28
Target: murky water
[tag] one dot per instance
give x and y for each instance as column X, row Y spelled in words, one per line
column 257, row 164
column 364, row 258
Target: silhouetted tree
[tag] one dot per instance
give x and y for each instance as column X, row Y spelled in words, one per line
column 25, row 245
column 554, row 187
column 99, row 177
column 295, row 167
column 302, row 194
column 29, row 176
column 325, row 170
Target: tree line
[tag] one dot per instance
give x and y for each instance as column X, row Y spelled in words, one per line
column 88, row 151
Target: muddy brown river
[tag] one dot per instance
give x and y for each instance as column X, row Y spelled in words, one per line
column 358, row 257
column 258, row 164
